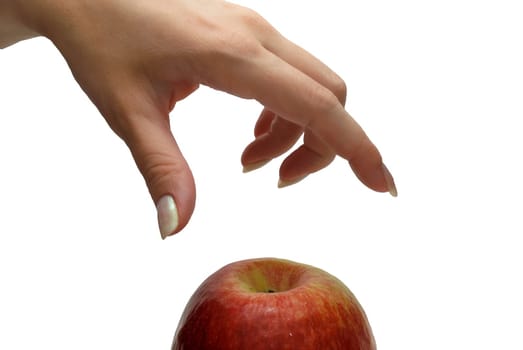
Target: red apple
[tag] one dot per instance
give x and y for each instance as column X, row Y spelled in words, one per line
column 268, row 303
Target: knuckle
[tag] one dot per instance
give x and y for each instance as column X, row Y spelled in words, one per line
column 240, row 47
column 252, row 19
column 324, row 99
column 323, row 104
column 157, row 169
column 339, row 88
column 229, row 44
column 229, row 54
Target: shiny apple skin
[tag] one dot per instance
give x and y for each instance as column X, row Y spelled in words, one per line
column 236, row 309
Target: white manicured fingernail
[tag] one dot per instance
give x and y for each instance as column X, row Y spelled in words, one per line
column 167, row 216
column 391, row 186
column 250, row 167
column 285, row 183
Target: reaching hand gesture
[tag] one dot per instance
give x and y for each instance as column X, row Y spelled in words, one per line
column 136, row 59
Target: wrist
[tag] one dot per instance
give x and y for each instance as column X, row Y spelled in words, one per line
column 24, row 19
column 13, row 27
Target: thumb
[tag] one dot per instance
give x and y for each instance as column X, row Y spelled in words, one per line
column 165, row 170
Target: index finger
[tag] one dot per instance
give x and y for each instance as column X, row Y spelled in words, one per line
column 297, row 97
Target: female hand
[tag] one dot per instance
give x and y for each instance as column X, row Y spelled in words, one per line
column 136, row 59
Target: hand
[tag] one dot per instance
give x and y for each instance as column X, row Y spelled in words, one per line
column 136, row 59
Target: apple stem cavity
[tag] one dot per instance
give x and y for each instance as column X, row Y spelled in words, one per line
column 310, row 310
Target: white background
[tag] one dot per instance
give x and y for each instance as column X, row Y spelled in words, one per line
column 437, row 86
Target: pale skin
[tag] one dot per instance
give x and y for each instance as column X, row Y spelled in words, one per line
column 136, row 59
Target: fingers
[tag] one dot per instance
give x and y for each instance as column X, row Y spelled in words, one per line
column 272, row 140
column 166, row 173
column 308, row 64
column 274, row 136
column 314, row 154
column 311, row 87
column 263, row 125
column 301, row 100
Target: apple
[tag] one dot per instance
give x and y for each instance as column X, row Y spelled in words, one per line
column 271, row 303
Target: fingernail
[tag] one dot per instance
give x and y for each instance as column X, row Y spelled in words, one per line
column 167, row 216
column 391, row 186
column 285, row 183
column 250, row 167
